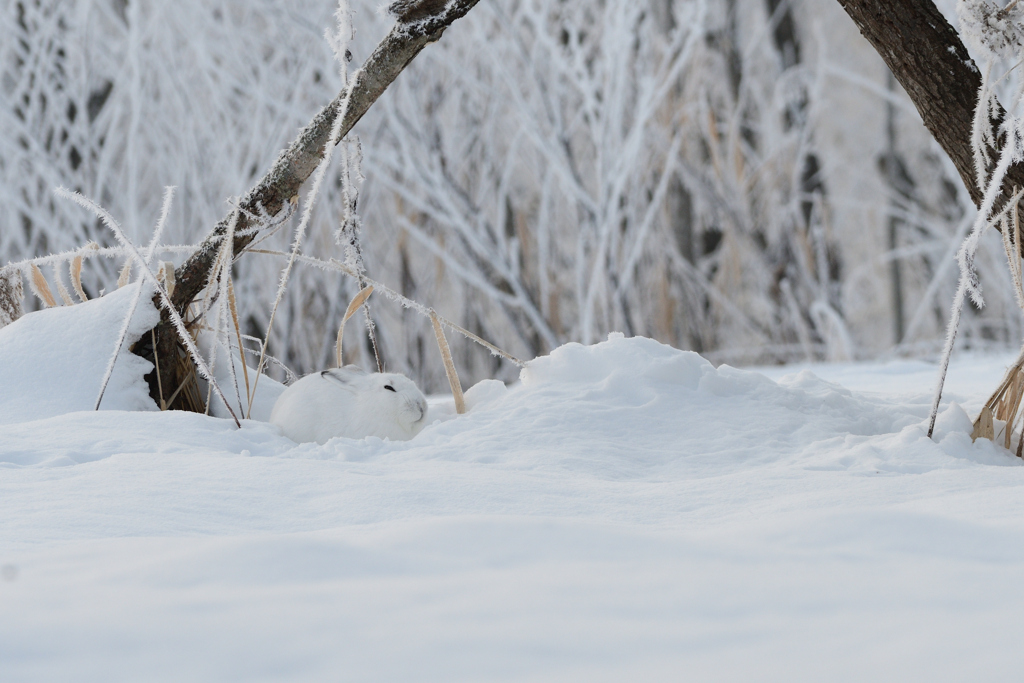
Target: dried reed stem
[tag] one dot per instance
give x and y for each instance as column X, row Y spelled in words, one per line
column 165, row 274
column 395, row 296
column 983, row 428
column 40, row 288
column 1014, row 405
column 449, row 365
column 238, row 335
column 75, row 269
column 358, row 300
column 226, row 309
column 221, row 276
column 156, row 362
column 290, row 377
column 1004, row 404
column 121, row 336
column 126, row 273
column 65, row 295
column 1009, row 249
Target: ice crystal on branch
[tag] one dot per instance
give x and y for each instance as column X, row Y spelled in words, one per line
column 992, row 31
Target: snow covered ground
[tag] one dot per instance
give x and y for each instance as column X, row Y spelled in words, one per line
column 625, row 513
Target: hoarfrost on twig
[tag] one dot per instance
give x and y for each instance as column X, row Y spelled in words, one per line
column 300, row 230
column 992, row 31
column 148, row 274
column 969, row 285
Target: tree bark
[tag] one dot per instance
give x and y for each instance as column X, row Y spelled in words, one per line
column 927, row 57
column 419, row 24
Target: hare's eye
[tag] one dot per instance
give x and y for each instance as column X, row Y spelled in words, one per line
column 389, row 387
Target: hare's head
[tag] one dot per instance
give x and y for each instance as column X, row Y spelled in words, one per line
column 400, row 397
column 385, row 400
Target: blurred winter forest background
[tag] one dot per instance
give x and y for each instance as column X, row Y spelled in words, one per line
column 737, row 177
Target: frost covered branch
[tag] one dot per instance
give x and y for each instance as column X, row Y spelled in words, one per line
column 297, row 163
column 280, row 186
column 147, row 275
column 930, row 61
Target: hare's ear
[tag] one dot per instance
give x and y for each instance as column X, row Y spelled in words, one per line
column 344, row 376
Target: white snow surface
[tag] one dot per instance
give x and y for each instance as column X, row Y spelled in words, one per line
column 53, row 361
column 626, row 512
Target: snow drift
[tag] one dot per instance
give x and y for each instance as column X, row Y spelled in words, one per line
column 53, row 361
column 627, row 511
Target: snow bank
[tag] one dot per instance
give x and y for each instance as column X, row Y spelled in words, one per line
column 625, row 512
column 53, row 361
column 636, row 408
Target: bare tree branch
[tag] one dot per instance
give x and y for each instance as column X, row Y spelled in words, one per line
column 297, row 163
column 419, row 23
column 927, row 57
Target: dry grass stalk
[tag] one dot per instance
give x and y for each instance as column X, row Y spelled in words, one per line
column 156, row 362
column 40, row 288
column 219, row 288
column 1004, row 404
column 190, row 395
column 983, row 425
column 449, row 365
column 238, row 336
column 290, row 377
column 11, row 295
column 126, row 272
column 75, row 269
column 1012, row 254
column 1014, row 406
column 357, row 301
column 334, row 264
column 65, row 295
column 165, row 275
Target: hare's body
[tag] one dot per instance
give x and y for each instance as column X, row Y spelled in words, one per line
column 352, row 403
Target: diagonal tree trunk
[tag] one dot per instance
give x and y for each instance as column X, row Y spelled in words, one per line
column 927, row 57
column 419, row 23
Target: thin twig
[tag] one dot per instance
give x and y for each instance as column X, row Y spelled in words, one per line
column 156, row 362
column 148, row 274
column 449, row 364
column 395, row 296
column 300, row 231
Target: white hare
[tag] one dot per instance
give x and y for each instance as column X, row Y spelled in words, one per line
column 350, row 402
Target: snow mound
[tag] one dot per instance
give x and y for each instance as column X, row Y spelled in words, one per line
column 629, row 409
column 621, row 410
column 625, row 506
column 52, row 361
